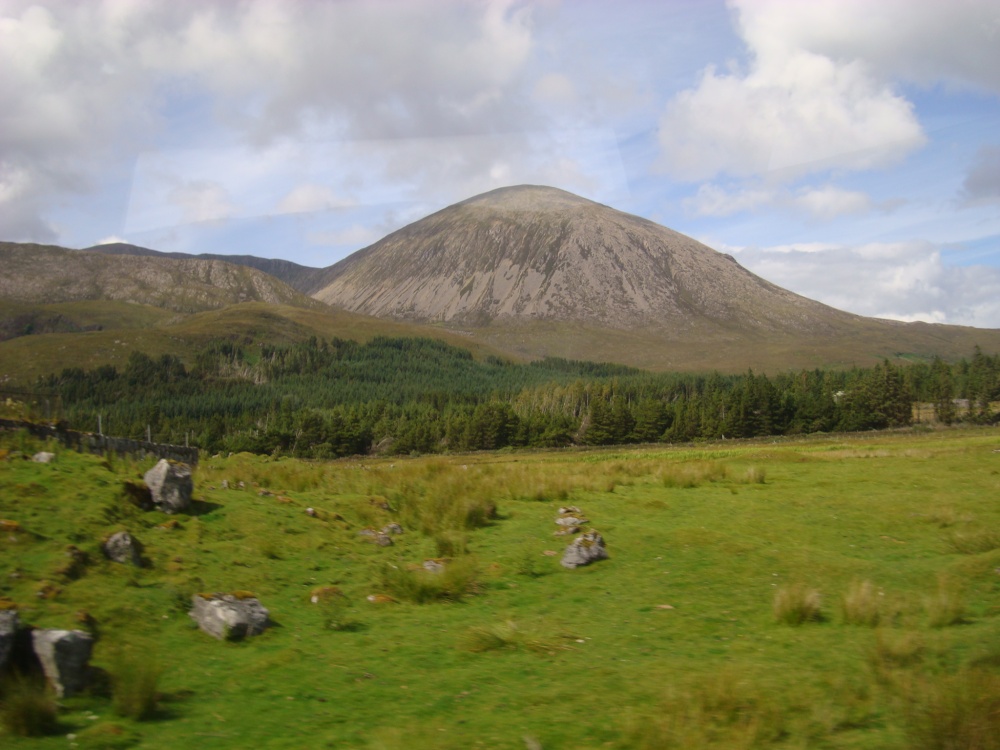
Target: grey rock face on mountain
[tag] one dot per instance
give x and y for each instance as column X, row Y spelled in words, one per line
column 47, row 274
column 539, row 253
column 296, row 276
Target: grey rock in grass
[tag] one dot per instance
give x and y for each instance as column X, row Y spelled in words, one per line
column 123, row 548
column 229, row 617
column 8, row 630
column 571, row 521
column 171, row 485
column 383, row 540
column 392, row 528
column 64, row 656
column 433, row 566
column 584, row 550
column 43, row 457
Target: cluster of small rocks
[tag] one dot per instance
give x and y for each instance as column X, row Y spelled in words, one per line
column 382, row 537
column 587, row 548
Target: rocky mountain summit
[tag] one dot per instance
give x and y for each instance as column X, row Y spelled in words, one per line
column 539, row 253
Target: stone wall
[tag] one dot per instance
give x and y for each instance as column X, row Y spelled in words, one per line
column 88, row 442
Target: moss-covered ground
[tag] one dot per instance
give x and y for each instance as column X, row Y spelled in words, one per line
column 671, row 642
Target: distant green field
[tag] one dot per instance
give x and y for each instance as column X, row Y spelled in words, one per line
column 679, row 639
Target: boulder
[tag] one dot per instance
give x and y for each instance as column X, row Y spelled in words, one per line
column 64, row 656
column 123, row 548
column 8, row 630
column 171, row 485
column 584, row 550
column 43, row 457
column 230, row 617
column 571, row 521
column 392, row 528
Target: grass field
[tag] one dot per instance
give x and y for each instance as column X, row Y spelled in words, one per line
column 831, row 592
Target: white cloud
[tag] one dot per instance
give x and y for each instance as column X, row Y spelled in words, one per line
column 311, row 197
column 85, row 84
column 355, row 235
column 112, row 240
column 822, row 203
column 900, row 280
column 925, row 41
column 202, row 200
column 830, row 202
column 817, row 92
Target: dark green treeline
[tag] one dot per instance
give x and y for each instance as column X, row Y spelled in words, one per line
column 323, row 399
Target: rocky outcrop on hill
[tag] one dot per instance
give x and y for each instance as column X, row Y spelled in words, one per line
column 47, row 273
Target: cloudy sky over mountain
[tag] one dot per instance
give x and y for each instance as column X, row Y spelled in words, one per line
column 845, row 149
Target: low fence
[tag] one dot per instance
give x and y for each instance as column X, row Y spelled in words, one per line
column 100, row 444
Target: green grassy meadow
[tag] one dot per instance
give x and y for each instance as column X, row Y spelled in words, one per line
column 674, row 641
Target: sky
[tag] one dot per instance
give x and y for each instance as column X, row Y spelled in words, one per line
column 847, row 150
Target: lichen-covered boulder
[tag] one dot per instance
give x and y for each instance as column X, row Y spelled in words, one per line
column 65, row 657
column 122, row 547
column 229, row 617
column 8, row 630
column 171, row 485
column 584, row 550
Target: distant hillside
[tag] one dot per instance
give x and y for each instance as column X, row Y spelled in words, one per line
column 296, row 276
column 48, row 274
column 539, row 271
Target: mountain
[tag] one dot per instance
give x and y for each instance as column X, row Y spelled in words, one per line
column 539, row 271
column 296, row 276
column 48, row 274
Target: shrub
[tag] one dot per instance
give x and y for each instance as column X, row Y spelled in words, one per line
column 946, row 606
column 723, row 711
column 27, row 708
column 459, row 579
column 954, row 712
column 974, row 542
column 797, row 604
column 134, row 682
column 862, row 604
column 510, row 636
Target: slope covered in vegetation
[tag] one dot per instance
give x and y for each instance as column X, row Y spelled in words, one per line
column 823, row 592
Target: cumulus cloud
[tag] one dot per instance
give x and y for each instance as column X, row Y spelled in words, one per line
column 896, row 280
column 816, row 92
column 84, row 83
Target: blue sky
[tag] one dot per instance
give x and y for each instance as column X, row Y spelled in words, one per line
column 844, row 149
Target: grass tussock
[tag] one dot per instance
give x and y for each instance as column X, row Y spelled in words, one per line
column 27, row 707
column 974, row 541
column 459, row 579
column 724, row 712
column 953, row 712
column 135, row 683
column 797, row 604
column 692, row 474
column 862, row 604
column 509, row 636
column 946, row 606
column 893, row 651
